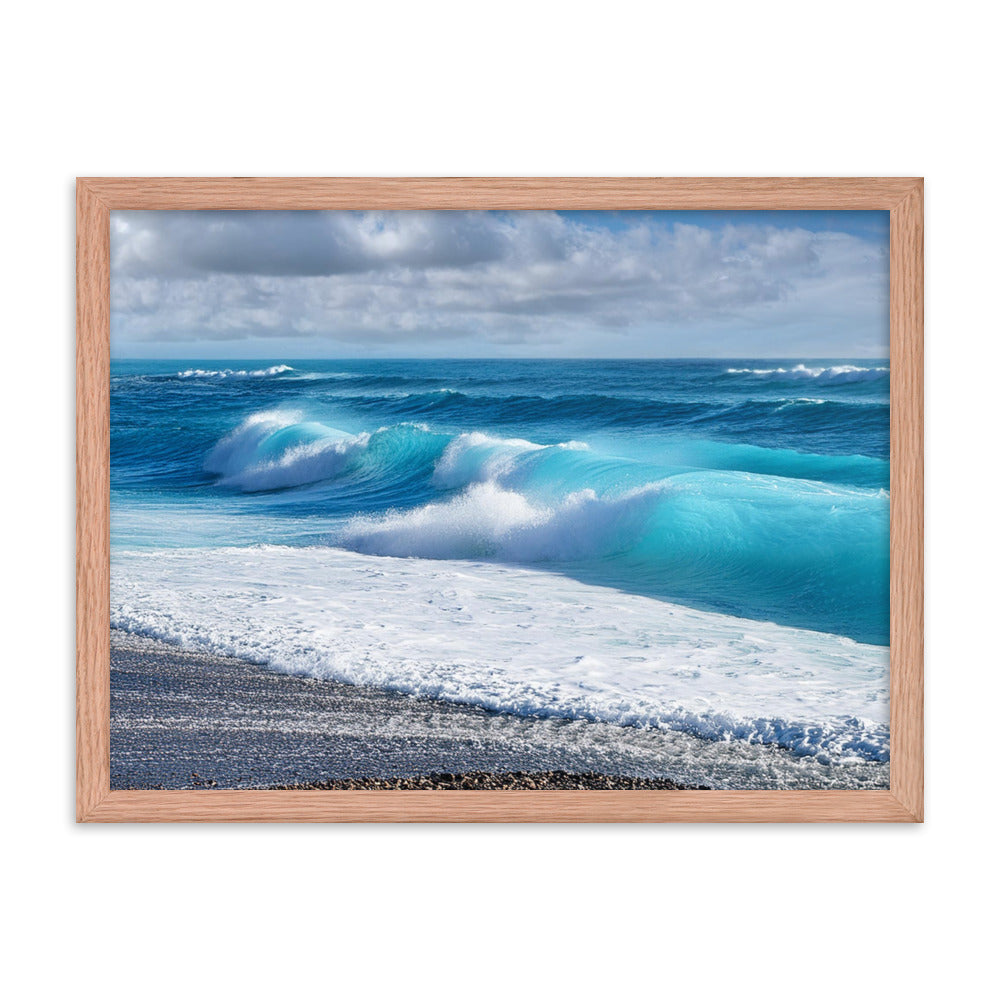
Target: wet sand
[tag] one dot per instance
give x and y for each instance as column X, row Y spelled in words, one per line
column 184, row 719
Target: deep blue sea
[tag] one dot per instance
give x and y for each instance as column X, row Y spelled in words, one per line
column 754, row 488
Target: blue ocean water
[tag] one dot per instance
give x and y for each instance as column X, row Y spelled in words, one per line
column 758, row 489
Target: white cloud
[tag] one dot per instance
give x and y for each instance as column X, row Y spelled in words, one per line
column 482, row 283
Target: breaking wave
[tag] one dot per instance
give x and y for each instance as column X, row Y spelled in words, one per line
column 235, row 373
column 835, row 373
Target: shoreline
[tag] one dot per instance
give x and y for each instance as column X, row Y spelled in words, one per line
column 191, row 719
column 524, row 640
column 185, row 719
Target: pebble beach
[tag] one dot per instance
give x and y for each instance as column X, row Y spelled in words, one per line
column 186, row 719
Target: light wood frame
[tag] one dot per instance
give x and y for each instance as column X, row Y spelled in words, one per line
column 97, row 197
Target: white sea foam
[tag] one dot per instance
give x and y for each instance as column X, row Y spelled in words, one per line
column 835, row 373
column 490, row 522
column 481, row 458
column 235, row 373
column 513, row 640
column 271, row 450
column 802, row 401
column 314, row 462
column 477, row 457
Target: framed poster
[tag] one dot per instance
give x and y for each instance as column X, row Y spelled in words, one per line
column 500, row 499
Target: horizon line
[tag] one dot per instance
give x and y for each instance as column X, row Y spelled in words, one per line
column 479, row 357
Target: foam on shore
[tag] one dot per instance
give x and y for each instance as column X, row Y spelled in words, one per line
column 516, row 640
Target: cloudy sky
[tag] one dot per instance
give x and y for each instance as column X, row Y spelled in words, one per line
column 285, row 285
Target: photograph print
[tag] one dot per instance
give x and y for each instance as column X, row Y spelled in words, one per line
column 499, row 500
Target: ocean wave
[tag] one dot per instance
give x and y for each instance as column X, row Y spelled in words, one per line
column 489, row 522
column 790, row 550
column 835, row 373
column 475, row 457
column 614, row 412
column 272, row 451
column 277, row 450
column 234, row 373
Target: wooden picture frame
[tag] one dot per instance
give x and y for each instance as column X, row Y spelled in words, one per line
column 901, row 197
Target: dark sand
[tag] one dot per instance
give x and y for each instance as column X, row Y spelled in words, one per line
column 194, row 720
column 491, row 781
column 182, row 719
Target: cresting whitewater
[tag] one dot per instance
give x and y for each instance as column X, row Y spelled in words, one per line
column 691, row 545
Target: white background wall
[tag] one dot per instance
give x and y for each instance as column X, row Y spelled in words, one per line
column 513, row 88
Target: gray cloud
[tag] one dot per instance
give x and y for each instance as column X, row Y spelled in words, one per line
column 179, row 244
column 478, row 281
